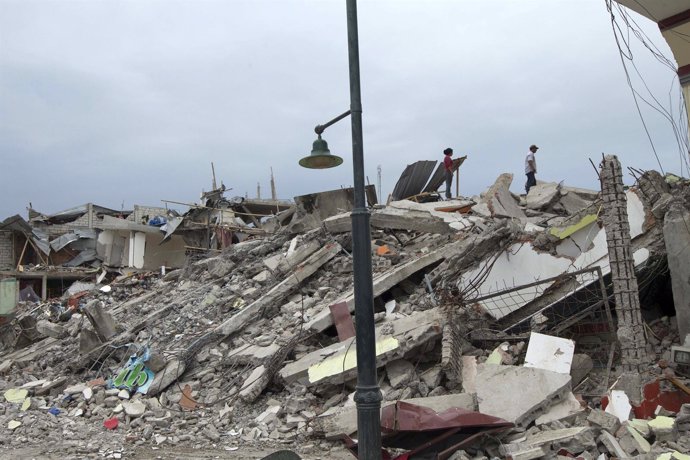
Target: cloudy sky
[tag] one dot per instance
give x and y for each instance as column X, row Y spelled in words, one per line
column 128, row 102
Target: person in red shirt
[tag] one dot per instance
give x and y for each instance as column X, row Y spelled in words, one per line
column 448, row 166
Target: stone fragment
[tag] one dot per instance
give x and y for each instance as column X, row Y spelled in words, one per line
column 156, row 362
column 269, row 415
column 539, row 390
column 511, row 452
column 633, row 442
column 16, row 395
column 604, row 420
column 569, row 408
column 499, row 200
column 49, row 329
column 542, row 195
column 13, row 424
column 88, row 341
column 612, row 444
column 580, row 368
column 134, row 408
column 663, row 429
column 74, row 389
column 642, row 426
column 399, row 372
column 432, row 376
column 103, row 323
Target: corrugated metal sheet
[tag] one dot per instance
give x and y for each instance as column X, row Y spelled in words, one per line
column 439, row 176
column 413, row 179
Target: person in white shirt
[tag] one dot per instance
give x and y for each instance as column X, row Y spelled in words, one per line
column 531, row 167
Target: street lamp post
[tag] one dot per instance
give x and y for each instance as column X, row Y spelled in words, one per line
column 367, row 393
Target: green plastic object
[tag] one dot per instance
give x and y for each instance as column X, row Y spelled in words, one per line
column 9, row 293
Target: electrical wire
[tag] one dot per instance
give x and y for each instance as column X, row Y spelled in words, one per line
column 626, row 54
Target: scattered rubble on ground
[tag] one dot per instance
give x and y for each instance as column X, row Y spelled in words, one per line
column 497, row 329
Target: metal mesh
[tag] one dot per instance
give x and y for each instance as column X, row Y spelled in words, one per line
column 573, row 306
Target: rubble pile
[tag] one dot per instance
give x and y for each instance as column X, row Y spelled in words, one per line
column 493, row 326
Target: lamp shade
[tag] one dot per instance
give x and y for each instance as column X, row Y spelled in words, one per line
column 320, row 157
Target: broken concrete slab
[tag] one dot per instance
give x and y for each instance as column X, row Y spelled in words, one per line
column 539, row 390
column 254, row 384
column 283, row 263
column 337, row 363
column 633, row 442
column 542, row 195
column 572, row 203
column 604, row 420
column 568, row 409
column 385, row 281
column 499, row 201
column 576, row 439
column 392, row 218
column 45, row 327
column 250, row 353
column 280, row 291
column 585, row 194
column 338, row 421
column 612, row 445
column 444, row 211
column 103, row 323
column 399, row 372
column 550, row 353
column 382, row 283
column 663, row 429
column 580, row 367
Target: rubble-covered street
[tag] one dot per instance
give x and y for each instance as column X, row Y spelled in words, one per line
column 506, row 326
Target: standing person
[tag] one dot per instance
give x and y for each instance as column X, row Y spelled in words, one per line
column 531, row 167
column 448, row 166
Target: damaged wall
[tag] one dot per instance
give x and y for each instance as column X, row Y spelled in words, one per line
column 6, row 250
column 522, row 263
column 122, row 248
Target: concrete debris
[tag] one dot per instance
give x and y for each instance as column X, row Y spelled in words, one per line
column 539, row 390
column 498, row 200
column 499, row 304
column 543, row 195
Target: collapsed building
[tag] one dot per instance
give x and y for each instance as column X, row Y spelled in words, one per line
column 541, row 326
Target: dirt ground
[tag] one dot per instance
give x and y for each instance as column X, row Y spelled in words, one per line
column 149, row 453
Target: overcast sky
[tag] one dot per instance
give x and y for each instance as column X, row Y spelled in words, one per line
column 128, row 102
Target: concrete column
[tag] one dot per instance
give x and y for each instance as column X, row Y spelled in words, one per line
column 44, row 287
column 615, row 218
column 677, row 240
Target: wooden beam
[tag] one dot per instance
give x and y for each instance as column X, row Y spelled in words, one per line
column 675, row 20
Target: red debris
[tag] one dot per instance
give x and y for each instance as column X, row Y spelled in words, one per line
column 111, row 423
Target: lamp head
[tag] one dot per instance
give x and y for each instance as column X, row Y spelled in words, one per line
column 320, row 157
